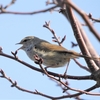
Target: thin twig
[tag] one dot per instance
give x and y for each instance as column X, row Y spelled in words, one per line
column 28, row 13
column 14, row 83
column 69, row 96
column 81, row 66
column 56, row 39
column 11, row 3
column 93, row 19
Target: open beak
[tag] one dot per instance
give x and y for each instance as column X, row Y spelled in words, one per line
column 20, row 47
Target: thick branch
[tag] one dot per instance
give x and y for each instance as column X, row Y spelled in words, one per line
column 85, row 17
column 91, row 49
column 80, row 40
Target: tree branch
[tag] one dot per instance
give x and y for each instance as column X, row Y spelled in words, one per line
column 3, row 11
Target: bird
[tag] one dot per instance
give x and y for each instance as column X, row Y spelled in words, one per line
column 53, row 55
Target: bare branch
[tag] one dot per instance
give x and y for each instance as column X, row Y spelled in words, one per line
column 93, row 19
column 47, row 25
column 85, row 17
column 81, row 66
column 83, row 42
column 11, row 3
column 39, row 70
column 14, row 83
column 78, row 35
column 71, row 95
column 64, row 84
column 3, row 11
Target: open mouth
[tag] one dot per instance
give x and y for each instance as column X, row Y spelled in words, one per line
column 20, row 47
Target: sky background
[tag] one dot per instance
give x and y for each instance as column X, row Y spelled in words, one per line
column 15, row 27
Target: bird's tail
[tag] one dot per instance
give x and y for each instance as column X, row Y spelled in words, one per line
column 85, row 56
column 74, row 54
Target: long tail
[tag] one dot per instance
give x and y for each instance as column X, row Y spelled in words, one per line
column 75, row 54
column 85, row 56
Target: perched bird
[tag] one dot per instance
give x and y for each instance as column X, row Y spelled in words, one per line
column 53, row 55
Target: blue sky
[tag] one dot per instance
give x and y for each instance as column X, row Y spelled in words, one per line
column 15, row 27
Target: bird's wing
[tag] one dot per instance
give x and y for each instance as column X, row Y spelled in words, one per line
column 46, row 46
column 57, row 48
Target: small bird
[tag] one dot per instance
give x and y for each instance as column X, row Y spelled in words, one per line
column 53, row 55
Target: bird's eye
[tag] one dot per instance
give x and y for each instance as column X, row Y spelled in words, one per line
column 25, row 40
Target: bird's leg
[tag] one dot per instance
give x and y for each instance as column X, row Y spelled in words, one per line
column 67, row 67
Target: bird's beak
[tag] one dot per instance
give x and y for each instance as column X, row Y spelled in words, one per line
column 20, row 47
column 18, row 43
